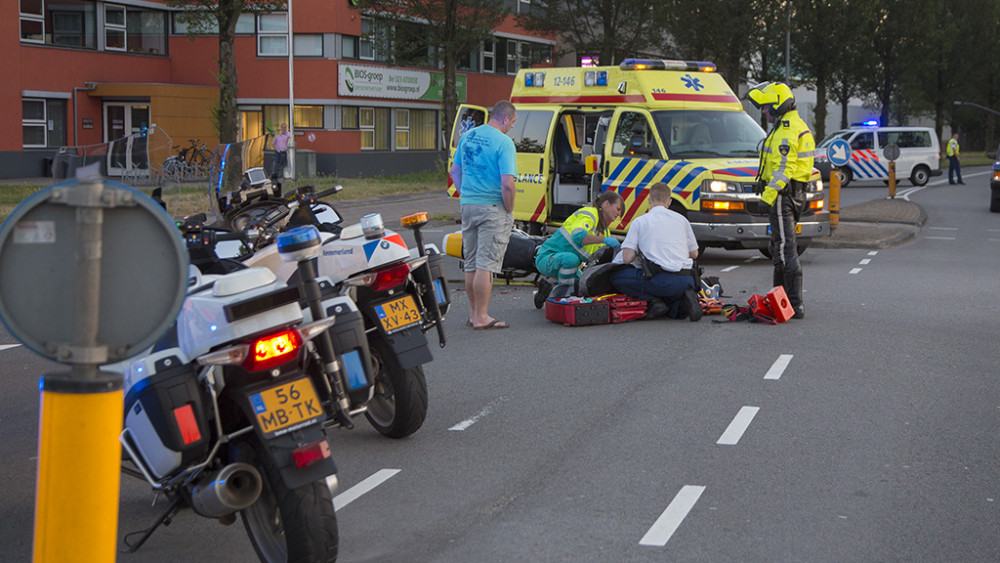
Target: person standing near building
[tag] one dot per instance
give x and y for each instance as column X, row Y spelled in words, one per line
column 786, row 164
column 280, row 146
column 483, row 171
column 666, row 241
column 954, row 167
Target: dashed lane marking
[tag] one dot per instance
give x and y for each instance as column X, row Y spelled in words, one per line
column 873, row 253
column 474, row 419
column 944, row 228
column 940, row 238
column 6, row 346
column 355, row 492
column 668, row 522
column 738, row 426
column 778, row 367
column 865, row 262
column 855, row 271
column 729, row 269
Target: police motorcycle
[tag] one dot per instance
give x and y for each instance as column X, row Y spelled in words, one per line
column 401, row 296
column 226, row 413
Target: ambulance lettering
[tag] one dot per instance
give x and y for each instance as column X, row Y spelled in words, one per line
column 531, row 178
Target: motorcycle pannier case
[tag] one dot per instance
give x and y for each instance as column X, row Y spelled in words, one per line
column 440, row 284
column 348, row 335
column 165, row 414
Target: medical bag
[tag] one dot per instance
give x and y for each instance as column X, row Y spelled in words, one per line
column 579, row 311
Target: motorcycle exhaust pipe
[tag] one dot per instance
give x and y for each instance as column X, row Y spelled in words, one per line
column 232, row 488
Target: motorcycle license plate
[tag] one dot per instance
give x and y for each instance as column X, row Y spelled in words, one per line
column 798, row 229
column 286, row 407
column 398, row 314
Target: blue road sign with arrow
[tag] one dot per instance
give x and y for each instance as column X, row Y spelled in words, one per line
column 839, row 152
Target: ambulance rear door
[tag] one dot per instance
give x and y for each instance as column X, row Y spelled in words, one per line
column 468, row 116
column 633, row 160
column 533, row 137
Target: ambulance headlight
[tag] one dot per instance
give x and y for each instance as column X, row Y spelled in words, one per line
column 816, row 187
column 721, row 186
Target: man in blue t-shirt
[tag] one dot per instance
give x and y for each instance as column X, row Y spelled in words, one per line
column 483, row 171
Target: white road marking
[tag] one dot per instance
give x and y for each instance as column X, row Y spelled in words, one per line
column 6, row 346
column 944, row 228
column 873, row 253
column 729, row 269
column 778, row 367
column 668, row 522
column 470, row 421
column 854, row 271
column 940, row 238
column 752, row 258
column 865, row 262
column 355, row 492
column 738, row 426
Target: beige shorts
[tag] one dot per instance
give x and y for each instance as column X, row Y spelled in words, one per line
column 485, row 233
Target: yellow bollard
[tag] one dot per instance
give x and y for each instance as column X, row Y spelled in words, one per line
column 79, row 464
column 834, row 199
column 892, row 180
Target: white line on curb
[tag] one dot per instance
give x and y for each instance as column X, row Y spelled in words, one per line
column 472, row 420
column 7, row 346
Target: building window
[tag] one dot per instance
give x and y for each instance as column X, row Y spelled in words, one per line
column 272, row 35
column 67, row 23
column 402, row 129
column 348, row 117
column 306, row 117
column 374, row 40
column 43, row 123
column 423, row 129
column 308, row 45
column 349, row 46
column 489, row 56
column 245, row 25
column 135, row 30
column 374, row 125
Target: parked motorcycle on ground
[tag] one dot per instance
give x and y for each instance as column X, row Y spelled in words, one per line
column 401, row 295
column 226, row 413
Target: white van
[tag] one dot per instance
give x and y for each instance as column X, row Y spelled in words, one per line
column 919, row 154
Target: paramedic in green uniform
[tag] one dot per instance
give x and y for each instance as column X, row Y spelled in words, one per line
column 582, row 234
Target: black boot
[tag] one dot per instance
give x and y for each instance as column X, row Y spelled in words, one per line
column 656, row 308
column 793, row 289
column 544, row 289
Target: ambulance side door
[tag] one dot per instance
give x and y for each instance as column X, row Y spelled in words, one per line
column 468, row 116
column 632, row 159
column 533, row 139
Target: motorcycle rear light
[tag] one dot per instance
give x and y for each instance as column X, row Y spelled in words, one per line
column 273, row 350
column 306, row 455
column 390, row 277
column 187, row 424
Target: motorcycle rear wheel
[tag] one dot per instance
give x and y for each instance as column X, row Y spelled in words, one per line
column 399, row 406
column 285, row 524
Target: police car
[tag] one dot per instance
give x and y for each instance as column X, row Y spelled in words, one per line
column 919, row 153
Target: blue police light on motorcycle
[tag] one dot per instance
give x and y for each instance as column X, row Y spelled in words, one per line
column 299, row 243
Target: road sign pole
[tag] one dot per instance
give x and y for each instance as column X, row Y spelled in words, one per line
column 892, row 180
column 834, row 199
column 78, row 449
column 79, row 457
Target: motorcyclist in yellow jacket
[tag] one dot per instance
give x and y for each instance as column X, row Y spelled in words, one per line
column 786, row 164
column 581, row 234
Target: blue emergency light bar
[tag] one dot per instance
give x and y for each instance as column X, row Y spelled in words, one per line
column 655, row 64
column 534, row 79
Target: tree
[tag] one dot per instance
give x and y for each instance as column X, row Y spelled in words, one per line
column 220, row 16
column 610, row 29
column 449, row 28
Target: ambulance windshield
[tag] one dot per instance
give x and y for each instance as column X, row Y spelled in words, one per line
column 709, row 133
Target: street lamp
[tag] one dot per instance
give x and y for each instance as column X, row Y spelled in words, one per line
column 291, row 95
column 984, row 108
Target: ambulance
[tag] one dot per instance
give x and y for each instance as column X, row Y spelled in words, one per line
column 585, row 130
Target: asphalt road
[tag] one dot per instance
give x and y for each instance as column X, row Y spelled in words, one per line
column 866, row 432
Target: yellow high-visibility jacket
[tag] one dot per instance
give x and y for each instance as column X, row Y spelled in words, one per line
column 788, row 155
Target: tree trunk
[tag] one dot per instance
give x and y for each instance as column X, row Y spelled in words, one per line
column 449, row 94
column 820, row 111
column 227, row 113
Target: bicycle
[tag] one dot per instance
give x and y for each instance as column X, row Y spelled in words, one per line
column 190, row 163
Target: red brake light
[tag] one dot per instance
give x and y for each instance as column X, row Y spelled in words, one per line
column 390, row 277
column 273, row 350
column 309, row 454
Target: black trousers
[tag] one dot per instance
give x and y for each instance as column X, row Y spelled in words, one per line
column 783, row 242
